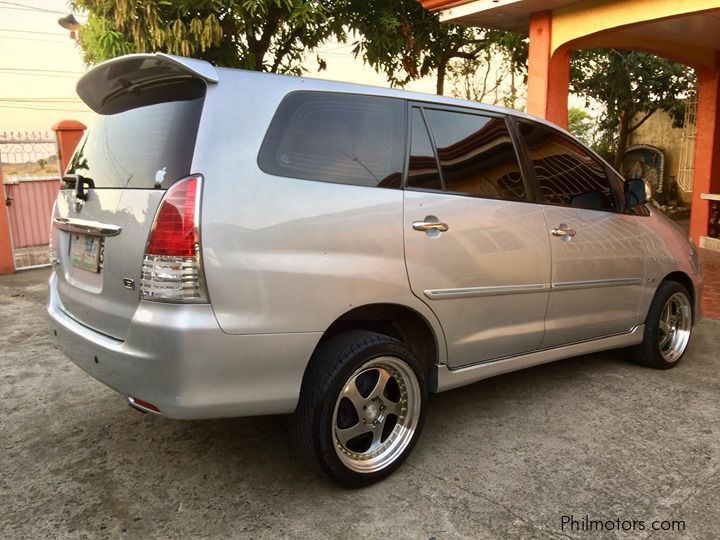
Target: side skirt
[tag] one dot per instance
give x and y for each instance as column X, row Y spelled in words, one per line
column 447, row 379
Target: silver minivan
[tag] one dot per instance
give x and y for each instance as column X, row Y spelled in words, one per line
column 233, row 243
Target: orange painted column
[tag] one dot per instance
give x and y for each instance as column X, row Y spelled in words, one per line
column 706, row 178
column 548, row 73
column 68, row 134
column 7, row 261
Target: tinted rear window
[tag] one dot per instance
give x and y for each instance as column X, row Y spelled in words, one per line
column 343, row 138
column 148, row 143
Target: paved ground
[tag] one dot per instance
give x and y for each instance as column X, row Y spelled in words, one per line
column 505, row 458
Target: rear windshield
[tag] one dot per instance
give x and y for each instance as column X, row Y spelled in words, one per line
column 147, row 144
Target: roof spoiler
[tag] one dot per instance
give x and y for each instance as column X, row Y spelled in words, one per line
column 115, row 76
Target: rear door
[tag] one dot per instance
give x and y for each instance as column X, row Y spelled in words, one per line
column 477, row 251
column 139, row 144
column 597, row 253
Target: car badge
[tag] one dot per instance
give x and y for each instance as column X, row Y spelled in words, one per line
column 78, row 204
column 160, row 177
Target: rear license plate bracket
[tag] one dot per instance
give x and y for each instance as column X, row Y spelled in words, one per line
column 85, row 252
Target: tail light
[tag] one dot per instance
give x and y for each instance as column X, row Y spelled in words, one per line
column 172, row 266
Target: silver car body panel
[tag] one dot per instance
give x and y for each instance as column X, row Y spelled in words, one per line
column 448, row 378
column 605, row 250
column 491, row 247
column 177, row 358
column 285, row 258
column 323, row 250
column 99, row 299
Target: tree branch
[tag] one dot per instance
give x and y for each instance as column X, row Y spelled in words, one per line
column 642, row 121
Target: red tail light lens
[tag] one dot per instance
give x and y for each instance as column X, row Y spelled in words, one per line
column 172, row 267
column 175, row 229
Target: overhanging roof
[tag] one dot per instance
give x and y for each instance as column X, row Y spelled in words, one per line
column 511, row 15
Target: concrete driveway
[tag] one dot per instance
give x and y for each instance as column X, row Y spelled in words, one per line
column 505, row 458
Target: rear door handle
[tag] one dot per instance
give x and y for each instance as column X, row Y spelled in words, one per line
column 430, row 226
column 563, row 231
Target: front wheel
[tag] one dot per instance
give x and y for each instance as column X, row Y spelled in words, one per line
column 667, row 328
column 361, row 407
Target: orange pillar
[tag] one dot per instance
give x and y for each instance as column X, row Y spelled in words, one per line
column 7, row 261
column 548, row 73
column 706, row 178
column 68, row 134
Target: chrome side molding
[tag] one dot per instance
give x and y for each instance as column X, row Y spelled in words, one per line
column 590, row 284
column 467, row 292
column 439, row 294
column 85, row 226
column 447, row 379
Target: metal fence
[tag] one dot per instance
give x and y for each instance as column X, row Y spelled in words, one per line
column 30, row 174
column 686, row 166
column 28, row 156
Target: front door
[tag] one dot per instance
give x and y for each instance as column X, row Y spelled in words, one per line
column 477, row 252
column 597, row 255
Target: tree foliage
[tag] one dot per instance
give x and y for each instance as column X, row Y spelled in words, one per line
column 262, row 35
column 405, row 42
column 398, row 38
column 495, row 76
column 582, row 125
column 631, row 86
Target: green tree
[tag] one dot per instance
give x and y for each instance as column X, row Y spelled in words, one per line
column 631, row 86
column 403, row 41
column 493, row 76
column 582, row 125
column 262, row 35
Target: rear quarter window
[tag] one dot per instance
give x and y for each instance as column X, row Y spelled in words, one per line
column 341, row 138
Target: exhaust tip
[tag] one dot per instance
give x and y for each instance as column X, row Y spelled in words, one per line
column 142, row 406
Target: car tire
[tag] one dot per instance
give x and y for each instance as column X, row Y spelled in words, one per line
column 668, row 327
column 361, row 407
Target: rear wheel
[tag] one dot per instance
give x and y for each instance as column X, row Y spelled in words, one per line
column 667, row 328
column 361, row 407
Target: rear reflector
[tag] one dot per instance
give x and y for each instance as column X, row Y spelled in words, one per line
column 172, row 270
column 142, row 406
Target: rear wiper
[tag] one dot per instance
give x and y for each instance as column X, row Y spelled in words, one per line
column 78, row 182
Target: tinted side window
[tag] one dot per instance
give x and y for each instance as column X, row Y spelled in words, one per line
column 567, row 173
column 422, row 169
column 344, row 138
column 476, row 155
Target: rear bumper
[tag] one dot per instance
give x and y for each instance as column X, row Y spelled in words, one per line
column 177, row 358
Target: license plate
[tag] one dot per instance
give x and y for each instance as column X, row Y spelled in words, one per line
column 85, row 252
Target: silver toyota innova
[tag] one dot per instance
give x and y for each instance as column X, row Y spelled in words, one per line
column 232, row 243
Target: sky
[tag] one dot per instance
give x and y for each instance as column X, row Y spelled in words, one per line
column 40, row 65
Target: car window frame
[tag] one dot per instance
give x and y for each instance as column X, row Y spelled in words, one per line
column 620, row 207
column 408, row 152
column 530, row 191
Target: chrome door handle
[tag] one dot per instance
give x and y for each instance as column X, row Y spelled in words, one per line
column 562, row 231
column 430, row 226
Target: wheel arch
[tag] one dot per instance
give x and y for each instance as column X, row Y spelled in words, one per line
column 683, row 279
column 397, row 321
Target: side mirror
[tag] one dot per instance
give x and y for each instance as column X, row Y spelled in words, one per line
column 635, row 193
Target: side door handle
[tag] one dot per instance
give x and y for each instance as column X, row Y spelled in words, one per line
column 563, row 231
column 430, row 226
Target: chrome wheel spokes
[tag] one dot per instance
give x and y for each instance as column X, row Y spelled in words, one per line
column 376, row 414
column 674, row 327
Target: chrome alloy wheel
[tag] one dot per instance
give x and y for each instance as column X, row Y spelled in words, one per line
column 674, row 327
column 376, row 414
